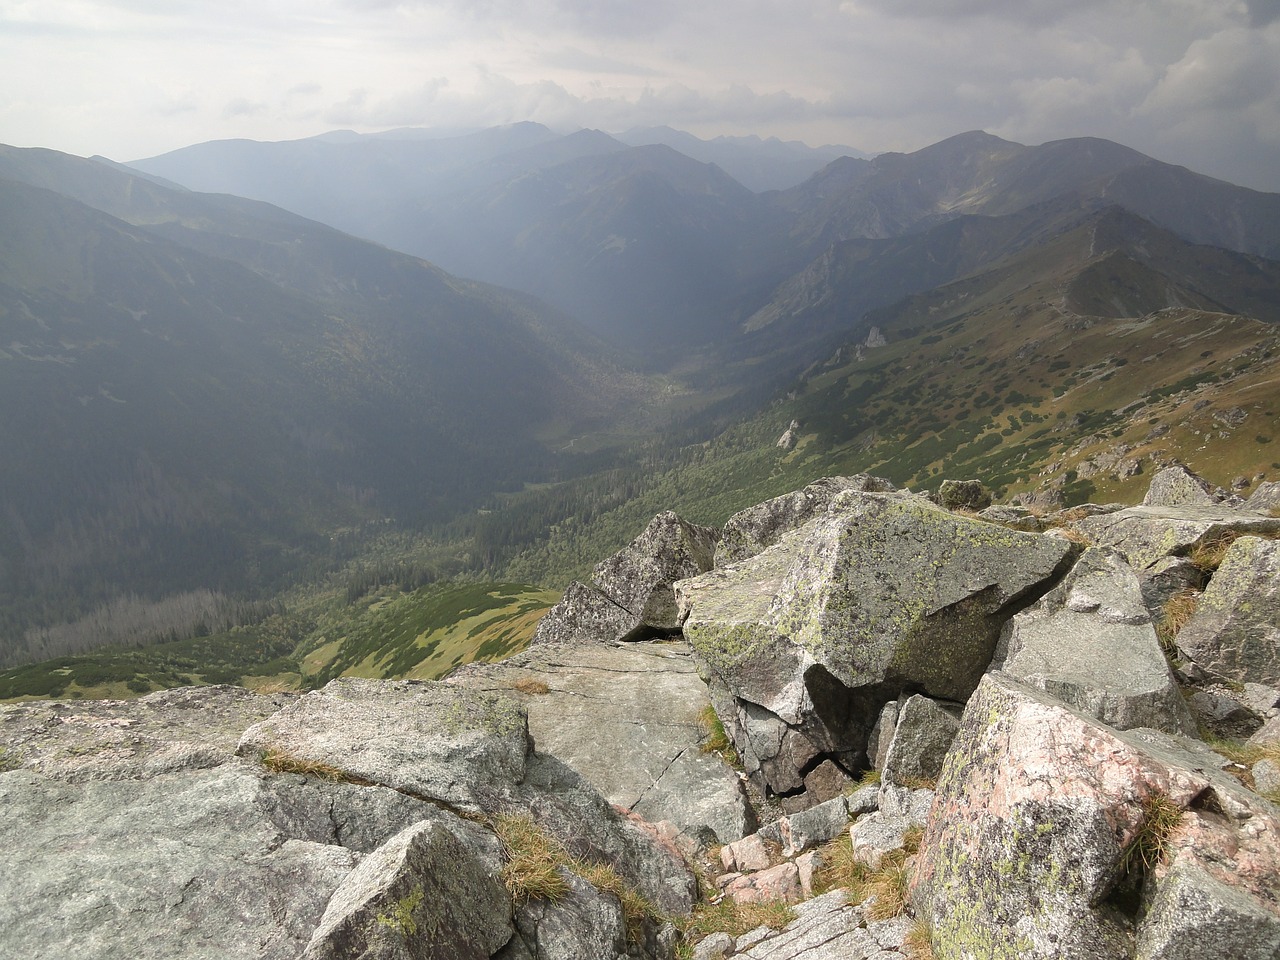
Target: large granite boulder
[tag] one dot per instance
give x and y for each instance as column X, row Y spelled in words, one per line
column 1265, row 499
column 1144, row 535
column 1176, row 486
column 1235, row 631
column 629, row 719
column 1041, row 841
column 1090, row 643
column 884, row 593
column 749, row 531
column 630, row 595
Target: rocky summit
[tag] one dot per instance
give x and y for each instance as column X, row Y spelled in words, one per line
column 856, row 722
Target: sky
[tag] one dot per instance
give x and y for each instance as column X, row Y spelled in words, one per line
column 1194, row 82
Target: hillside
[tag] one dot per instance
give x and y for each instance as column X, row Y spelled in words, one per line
column 226, row 385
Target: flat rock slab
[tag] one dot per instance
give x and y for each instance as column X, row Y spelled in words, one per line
column 182, row 729
column 432, row 740
column 1143, row 535
column 180, row 865
column 626, row 717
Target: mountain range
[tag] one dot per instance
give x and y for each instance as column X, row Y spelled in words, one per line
column 219, row 360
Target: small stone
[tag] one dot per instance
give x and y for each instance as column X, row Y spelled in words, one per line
column 715, row 946
column 777, row 884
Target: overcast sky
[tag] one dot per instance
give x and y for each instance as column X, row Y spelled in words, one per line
column 1195, row 82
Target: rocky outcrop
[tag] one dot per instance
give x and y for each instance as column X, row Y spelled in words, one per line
column 1144, row 535
column 630, row 595
column 1235, row 632
column 355, row 821
column 750, row 531
column 630, row 720
column 1176, row 486
column 883, row 594
column 1090, row 643
column 1050, row 828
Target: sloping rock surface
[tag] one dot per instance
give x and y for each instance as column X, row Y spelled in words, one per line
column 1143, row 535
column 1090, row 642
column 1235, row 631
column 628, row 719
column 331, row 832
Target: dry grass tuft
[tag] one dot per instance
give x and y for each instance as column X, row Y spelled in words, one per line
column 733, row 918
column 1208, row 554
column 1178, row 610
column 919, row 942
column 531, row 685
column 919, row 783
column 840, row 868
column 534, row 860
column 1160, row 818
column 888, row 886
column 278, row 761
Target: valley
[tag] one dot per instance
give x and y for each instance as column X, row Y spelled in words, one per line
column 377, row 468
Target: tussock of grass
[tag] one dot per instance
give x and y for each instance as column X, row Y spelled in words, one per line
column 717, row 738
column 840, row 868
column 888, row 887
column 919, row 942
column 919, row 783
column 531, row 685
column 278, row 761
column 534, row 860
column 1208, row 554
column 1160, row 818
column 536, row 865
column 1178, row 611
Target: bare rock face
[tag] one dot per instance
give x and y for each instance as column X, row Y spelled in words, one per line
column 628, row 719
column 751, row 530
column 1144, row 535
column 1235, row 632
column 1035, row 844
column 1176, row 486
column 329, row 831
column 884, row 593
column 630, row 596
column 430, row 740
column 921, row 738
column 1090, row 643
column 1265, row 498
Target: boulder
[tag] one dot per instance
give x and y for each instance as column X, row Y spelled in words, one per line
column 630, row 595
column 877, row 835
column 1265, row 499
column 584, row 923
column 1019, row 518
column 1090, row 643
column 431, row 740
column 583, row 615
column 884, row 593
column 1235, row 631
column 1143, row 535
column 964, row 495
column 779, row 884
column 1192, row 916
column 429, row 892
column 1176, row 486
column 629, row 720
column 921, row 738
column 752, row 530
column 1032, row 846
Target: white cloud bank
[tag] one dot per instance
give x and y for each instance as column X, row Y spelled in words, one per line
column 1195, row 82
